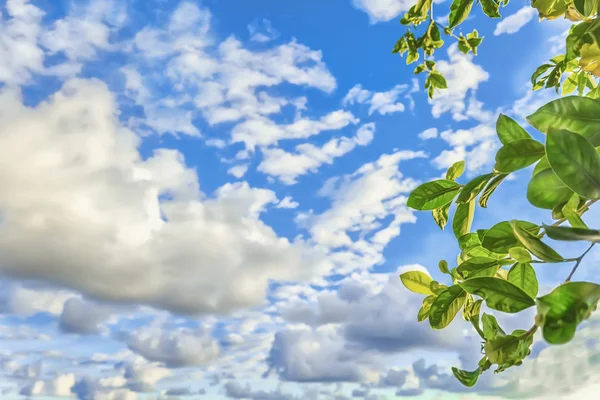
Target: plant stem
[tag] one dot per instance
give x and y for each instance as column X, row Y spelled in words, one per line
column 578, row 261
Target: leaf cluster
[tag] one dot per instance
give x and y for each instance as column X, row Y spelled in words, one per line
column 495, row 266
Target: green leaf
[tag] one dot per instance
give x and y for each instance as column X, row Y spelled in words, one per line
column 455, row 171
column 542, row 165
column 467, row 378
column 446, row 306
column 573, row 113
column 498, row 294
column 440, row 215
column 570, row 213
column 518, row 154
column 437, row 80
column 491, row 328
column 459, row 11
column 490, row 189
column 490, row 8
column 437, row 287
column 479, row 251
column 523, row 275
column 508, row 350
column 417, row 282
column 535, row 245
column 471, row 308
column 500, row 237
column 545, row 190
column 520, row 254
column 473, row 188
column 463, row 218
column 575, row 161
column 468, row 241
column 565, row 233
column 432, row 195
column 443, row 266
column 478, row 266
column 560, row 311
column 423, row 313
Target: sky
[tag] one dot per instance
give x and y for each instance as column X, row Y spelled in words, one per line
column 207, row 200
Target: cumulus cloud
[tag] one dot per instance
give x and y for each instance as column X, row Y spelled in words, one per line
column 287, row 202
column 382, row 10
column 463, row 77
column 262, row 31
column 430, row 133
column 307, row 157
column 360, row 201
column 175, row 348
column 89, row 206
column 514, row 22
column 380, row 102
column 80, row 316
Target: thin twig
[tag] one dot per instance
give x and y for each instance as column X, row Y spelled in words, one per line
column 579, row 259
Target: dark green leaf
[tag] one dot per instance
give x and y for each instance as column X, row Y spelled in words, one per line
column 560, row 311
column 573, row 113
column 459, row 11
column 489, row 190
column 432, row 195
column 455, row 171
column 498, row 294
column 523, row 276
column 545, row 190
column 572, row 234
column 575, row 161
column 508, row 350
column 473, row 188
column 535, row 245
column 446, row 306
column 500, row 237
column 467, row 378
column 417, row 281
column 518, row 154
column 478, row 266
column 463, row 218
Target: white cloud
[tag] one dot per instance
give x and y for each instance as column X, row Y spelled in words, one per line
column 88, row 204
column 476, row 146
column 514, row 22
column 265, row 132
column 287, row 202
column 262, row 31
column 382, row 10
column 175, row 348
column 463, row 77
column 308, row 158
column 360, row 201
column 381, row 102
column 238, row 170
column 430, row 133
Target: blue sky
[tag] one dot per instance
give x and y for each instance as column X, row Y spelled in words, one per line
column 207, row 200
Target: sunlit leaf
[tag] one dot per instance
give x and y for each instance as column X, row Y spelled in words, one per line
column 573, row 113
column 446, row 306
column 432, row 195
column 473, row 188
column 523, row 275
column 463, row 218
column 575, row 161
column 545, row 190
column 423, row 313
column 509, row 130
column 498, row 294
column 417, row 281
column 535, row 245
column 459, row 11
column 560, row 311
column 467, row 378
column 489, row 190
column 518, row 154
column 500, row 238
column 478, row 266
column 455, row 170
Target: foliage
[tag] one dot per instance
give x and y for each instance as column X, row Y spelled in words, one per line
column 580, row 62
column 495, row 265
